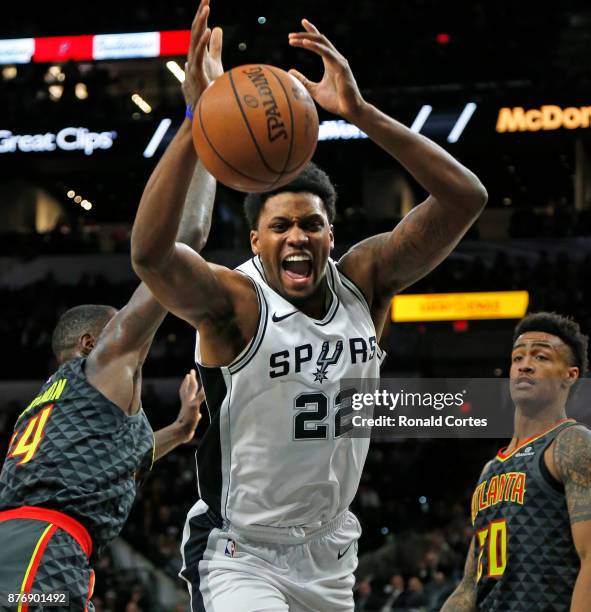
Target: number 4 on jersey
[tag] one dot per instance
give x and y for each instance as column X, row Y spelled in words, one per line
column 27, row 443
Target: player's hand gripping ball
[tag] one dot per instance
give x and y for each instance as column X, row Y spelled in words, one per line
column 255, row 128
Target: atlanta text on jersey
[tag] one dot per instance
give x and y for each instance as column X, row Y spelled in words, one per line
column 504, row 488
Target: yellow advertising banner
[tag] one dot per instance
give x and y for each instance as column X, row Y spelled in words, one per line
column 548, row 117
column 409, row 308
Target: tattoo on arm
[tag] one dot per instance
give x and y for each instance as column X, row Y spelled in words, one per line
column 572, row 457
column 463, row 599
column 419, row 243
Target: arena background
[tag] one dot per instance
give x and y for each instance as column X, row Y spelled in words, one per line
column 447, row 69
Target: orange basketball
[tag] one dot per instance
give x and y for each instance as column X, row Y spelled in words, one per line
column 255, row 128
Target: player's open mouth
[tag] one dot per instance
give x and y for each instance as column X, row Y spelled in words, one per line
column 297, row 268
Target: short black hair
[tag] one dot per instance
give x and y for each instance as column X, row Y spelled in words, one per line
column 312, row 179
column 77, row 321
column 565, row 328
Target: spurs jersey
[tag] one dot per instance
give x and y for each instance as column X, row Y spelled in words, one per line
column 276, row 452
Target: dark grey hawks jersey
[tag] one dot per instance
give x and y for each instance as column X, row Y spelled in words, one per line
column 75, row 451
column 526, row 558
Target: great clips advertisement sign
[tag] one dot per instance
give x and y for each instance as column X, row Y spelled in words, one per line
column 84, row 139
column 69, row 139
column 470, row 124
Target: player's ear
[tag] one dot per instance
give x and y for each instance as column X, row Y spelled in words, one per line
column 572, row 375
column 87, row 342
column 254, row 242
column 331, row 232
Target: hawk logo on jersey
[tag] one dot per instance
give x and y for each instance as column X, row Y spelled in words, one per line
column 324, row 360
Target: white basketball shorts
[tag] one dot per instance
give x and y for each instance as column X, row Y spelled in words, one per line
column 266, row 569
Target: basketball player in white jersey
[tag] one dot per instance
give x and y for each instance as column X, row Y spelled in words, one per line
column 272, row 530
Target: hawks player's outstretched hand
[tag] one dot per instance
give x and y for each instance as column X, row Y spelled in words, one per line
column 191, row 399
column 337, row 92
column 204, row 60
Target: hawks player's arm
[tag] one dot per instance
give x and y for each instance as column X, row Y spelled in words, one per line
column 571, row 462
column 183, row 428
column 385, row 264
column 463, row 599
column 114, row 364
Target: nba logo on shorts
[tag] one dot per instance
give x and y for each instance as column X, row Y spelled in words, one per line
column 230, row 548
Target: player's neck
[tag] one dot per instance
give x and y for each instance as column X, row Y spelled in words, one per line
column 69, row 355
column 317, row 304
column 528, row 424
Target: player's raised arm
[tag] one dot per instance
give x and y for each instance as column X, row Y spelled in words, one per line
column 463, row 599
column 114, row 366
column 178, row 277
column 572, row 460
column 387, row 263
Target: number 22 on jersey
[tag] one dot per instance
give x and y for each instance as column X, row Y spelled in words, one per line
column 26, row 444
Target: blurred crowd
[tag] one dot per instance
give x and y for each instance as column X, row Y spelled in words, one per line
column 75, row 235
column 30, row 313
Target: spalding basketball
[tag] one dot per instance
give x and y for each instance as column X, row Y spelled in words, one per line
column 255, row 128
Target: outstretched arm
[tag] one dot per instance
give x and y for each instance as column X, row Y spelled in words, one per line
column 183, row 428
column 463, row 599
column 124, row 344
column 387, row 263
column 177, row 275
column 205, row 295
column 572, row 461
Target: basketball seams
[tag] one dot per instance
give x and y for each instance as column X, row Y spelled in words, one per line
column 289, row 151
column 213, row 148
column 254, row 140
column 295, row 168
column 306, row 158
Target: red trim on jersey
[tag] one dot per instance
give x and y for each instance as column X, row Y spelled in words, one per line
column 59, row 519
column 34, row 564
column 501, row 456
column 90, row 590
